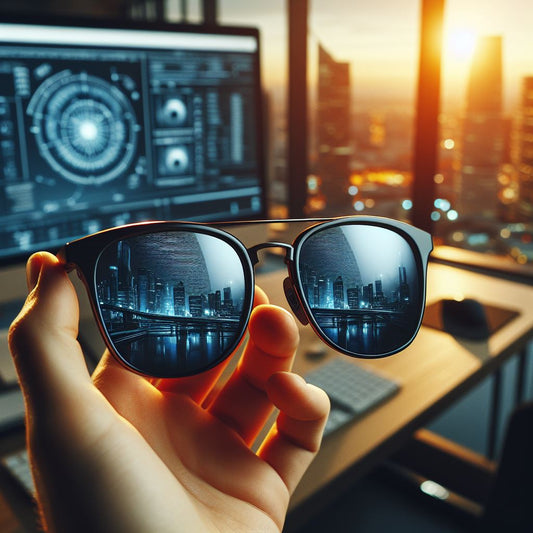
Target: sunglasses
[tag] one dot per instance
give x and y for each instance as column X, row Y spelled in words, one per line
column 173, row 299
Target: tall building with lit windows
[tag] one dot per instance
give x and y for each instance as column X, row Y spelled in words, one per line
column 483, row 136
column 334, row 136
column 338, row 293
column 525, row 163
column 353, row 297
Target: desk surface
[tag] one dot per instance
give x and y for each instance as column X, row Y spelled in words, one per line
column 434, row 371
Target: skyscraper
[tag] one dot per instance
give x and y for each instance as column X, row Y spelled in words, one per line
column 333, row 128
column 124, row 265
column 403, row 284
column 143, row 289
column 379, row 297
column 482, row 140
column 368, row 295
column 179, row 299
column 338, row 293
column 353, row 297
column 525, row 163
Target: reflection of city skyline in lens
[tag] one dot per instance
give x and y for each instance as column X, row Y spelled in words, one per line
column 161, row 304
column 361, row 254
column 371, row 311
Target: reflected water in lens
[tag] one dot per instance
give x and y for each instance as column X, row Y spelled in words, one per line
column 172, row 302
column 362, row 286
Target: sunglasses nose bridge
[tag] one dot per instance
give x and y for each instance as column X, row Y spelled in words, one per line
column 288, row 287
column 253, row 250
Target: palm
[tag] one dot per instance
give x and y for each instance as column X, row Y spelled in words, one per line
column 213, row 464
column 206, row 458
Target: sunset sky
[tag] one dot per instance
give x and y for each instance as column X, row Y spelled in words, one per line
column 380, row 40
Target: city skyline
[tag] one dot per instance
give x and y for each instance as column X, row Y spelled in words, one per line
column 483, row 177
column 360, row 255
column 331, row 292
column 147, row 294
column 152, row 274
column 362, row 319
column 380, row 41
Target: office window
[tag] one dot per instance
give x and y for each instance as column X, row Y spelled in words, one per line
column 362, row 81
column 362, row 72
column 362, row 77
column 485, row 180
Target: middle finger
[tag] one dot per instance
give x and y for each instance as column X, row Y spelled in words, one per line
column 243, row 403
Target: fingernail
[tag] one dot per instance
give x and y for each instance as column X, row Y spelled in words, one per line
column 33, row 269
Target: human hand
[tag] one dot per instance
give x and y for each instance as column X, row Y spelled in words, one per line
column 119, row 452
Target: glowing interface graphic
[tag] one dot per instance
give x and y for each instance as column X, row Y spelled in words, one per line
column 85, row 127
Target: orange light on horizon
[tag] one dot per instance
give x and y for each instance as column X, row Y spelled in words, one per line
column 389, row 177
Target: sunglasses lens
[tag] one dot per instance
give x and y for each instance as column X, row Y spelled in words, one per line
column 173, row 303
column 363, row 287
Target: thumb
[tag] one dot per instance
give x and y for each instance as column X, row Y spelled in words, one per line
column 42, row 339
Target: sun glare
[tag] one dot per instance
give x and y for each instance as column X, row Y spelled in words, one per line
column 460, row 43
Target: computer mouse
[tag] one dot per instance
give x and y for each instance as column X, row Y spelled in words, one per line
column 466, row 319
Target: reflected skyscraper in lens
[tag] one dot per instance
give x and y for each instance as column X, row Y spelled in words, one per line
column 322, row 272
column 403, row 284
column 124, row 265
column 144, row 284
column 179, row 298
column 482, row 137
column 338, row 293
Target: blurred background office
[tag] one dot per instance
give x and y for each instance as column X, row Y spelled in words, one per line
column 419, row 110
column 361, row 65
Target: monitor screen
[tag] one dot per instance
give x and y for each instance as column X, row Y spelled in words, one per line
column 102, row 126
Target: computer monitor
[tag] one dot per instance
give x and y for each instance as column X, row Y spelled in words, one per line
column 103, row 124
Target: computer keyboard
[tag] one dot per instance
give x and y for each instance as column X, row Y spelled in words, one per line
column 352, row 389
column 18, row 467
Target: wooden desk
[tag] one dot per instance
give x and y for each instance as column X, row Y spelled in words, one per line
column 434, row 371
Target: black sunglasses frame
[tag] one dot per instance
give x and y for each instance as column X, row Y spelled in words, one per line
column 83, row 255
